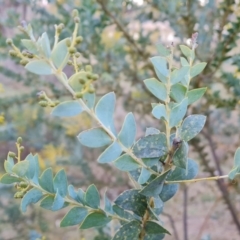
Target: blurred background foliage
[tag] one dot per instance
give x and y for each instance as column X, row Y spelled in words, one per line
column 119, row 37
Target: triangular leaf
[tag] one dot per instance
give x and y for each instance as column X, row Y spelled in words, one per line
column 46, row 180
column 39, row 67
column 60, row 183
column 154, row 188
column 133, row 201
column 67, row 109
column 126, row 163
column 157, row 88
column 180, row 156
column 111, row 153
column 128, row 231
column 32, row 196
column 151, row 146
column 94, row 138
column 178, row 112
column 95, row 219
column 191, row 126
column 105, row 110
column 128, row 132
column 75, row 216
column 92, row 197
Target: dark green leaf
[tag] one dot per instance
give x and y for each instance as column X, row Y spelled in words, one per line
column 191, row 126
column 46, row 180
column 144, row 176
column 128, row 231
column 154, row 188
column 60, row 183
column 151, row 146
column 168, row 191
column 179, row 174
column 92, row 197
column 126, row 163
column 75, row 216
column 133, row 201
column 95, row 219
column 153, row 227
column 122, row 213
column 180, row 156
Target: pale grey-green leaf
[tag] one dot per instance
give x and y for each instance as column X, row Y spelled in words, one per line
column 128, row 132
column 39, row 67
column 67, row 109
column 191, row 126
column 157, row 88
column 111, row 153
column 94, row 138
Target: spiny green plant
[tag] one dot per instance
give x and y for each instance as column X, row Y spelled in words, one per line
column 156, row 163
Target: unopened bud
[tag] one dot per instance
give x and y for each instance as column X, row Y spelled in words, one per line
column 68, row 42
column 12, row 154
column 89, row 75
column 79, row 39
column 24, row 62
column 43, row 103
column 82, row 81
column 95, row 77
column 77, row 20
column 9, row 41
column 23, row 184
column 77, row 54
column 12, row 53
column 91, row 90
column 19, row 140
column 88, row 68
column 69, row 62
column 75, row 13
column 72, row 50
column 52, row 105
column 21, row 148
column 78, row 95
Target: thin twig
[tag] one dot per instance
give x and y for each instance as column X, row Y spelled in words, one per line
column 121, row 27
column 175, row 234
column 185, row 215
column 205, row 221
